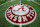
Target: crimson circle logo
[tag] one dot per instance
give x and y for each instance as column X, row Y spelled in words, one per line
column 20, row 14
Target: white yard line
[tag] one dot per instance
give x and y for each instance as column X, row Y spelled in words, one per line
column 36, row 2
column 20, row 25
column 4, row 3
column 20, row 1
column 20, row 10
column 20, row 17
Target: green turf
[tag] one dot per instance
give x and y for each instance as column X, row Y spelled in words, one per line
column 5, row 23
column 3, row 1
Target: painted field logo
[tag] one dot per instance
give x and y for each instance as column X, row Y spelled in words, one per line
column 20, row 14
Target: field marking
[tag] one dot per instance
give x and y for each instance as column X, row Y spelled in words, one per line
column 36, row 2
column 12, row 0
column 4, row 3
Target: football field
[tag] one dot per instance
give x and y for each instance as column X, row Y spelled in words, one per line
column 4, row 6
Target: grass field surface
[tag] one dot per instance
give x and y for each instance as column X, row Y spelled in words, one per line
column 3, row 8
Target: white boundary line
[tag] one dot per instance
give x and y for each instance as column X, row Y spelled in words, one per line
column 4, row 3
